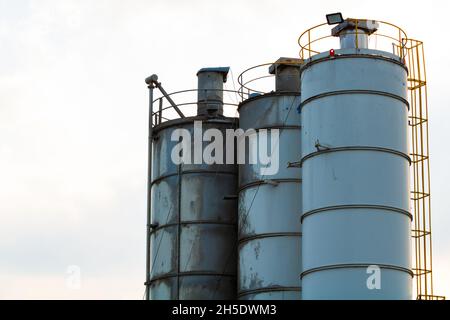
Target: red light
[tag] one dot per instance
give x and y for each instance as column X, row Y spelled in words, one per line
column 332, row 53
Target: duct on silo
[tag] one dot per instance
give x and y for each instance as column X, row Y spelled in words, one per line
column 269, row 225
column 287, row 74
column 355, row 34
column 194, row 242
column 356, row 214
column 210, row 90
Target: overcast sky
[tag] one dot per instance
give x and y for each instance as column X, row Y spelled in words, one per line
column 73, row 119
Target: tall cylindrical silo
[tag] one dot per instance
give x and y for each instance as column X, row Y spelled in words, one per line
column 269, row 221
column 355, row 165
column 193, row 244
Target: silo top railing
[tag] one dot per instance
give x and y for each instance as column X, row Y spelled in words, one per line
column 186, row 102
column 257, row 80
column 318, row 39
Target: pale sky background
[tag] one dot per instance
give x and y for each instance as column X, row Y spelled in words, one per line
column 73, row 121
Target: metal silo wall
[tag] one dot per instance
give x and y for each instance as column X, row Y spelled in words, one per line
column 355, row 176
column 269, row 215
column 193, row 250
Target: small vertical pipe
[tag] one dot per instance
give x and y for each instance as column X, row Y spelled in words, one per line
column 160, row 110
column 179, row 173
column 309, row 43
column 149, row 196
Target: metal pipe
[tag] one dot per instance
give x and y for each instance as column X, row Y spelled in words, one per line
column 355, row 33
column 210, row 90
column 174, row 105
column 152, row 81
column 160, row 111
column 149, row 198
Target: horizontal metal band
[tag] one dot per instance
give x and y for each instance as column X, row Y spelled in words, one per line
column 195, row 172
column 268, row 290
column 280, row 127
column 190, row 223
column 356, row 266
column 353, row 56
column 354, row 92
column 268, row 95
column 244, row 240
column 356, row 148
column 265, row 182
column 356, row 206
column 225, row 121
column 191, row 274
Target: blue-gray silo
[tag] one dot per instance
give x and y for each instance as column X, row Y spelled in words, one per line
column 356, row 209
column 193, row 243
column 269, row 220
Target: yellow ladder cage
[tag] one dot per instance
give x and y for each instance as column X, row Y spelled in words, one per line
column 414, row 54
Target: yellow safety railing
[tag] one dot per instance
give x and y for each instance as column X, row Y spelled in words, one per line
column 318, row 39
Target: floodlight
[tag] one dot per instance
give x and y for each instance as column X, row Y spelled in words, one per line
column 335, row 18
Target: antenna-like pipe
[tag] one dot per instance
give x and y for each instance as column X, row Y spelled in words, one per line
column 150, row 81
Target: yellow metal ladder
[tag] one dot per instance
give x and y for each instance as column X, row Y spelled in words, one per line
column 413, row 52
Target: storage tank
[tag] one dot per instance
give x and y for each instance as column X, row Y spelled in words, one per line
column 269, row 206
column 193, row 240
column 356, row 210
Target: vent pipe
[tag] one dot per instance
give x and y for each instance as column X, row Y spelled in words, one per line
column 355, row 34
column 210, row 90
column 287, row 74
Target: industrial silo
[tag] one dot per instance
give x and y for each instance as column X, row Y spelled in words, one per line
column 269, row 205
column 192, row 244
column 321, row 205
column 355, row 165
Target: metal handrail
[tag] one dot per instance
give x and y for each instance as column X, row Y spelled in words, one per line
column 165, row 111
column 244, row 79
column 244, row 89
column 311, row 44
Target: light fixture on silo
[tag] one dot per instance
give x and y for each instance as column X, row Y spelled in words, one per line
column 334, row 18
